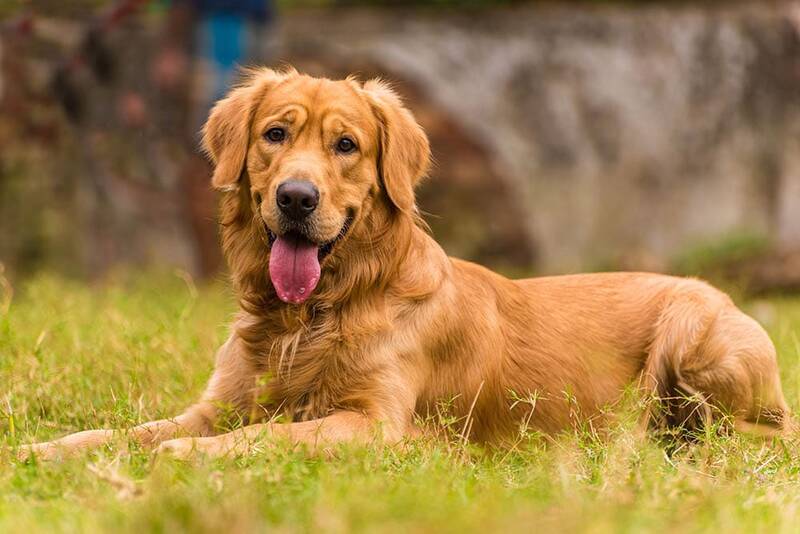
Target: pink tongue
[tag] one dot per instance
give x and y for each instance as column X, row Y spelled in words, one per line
column 293, row 268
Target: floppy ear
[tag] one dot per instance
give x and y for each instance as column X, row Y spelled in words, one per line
column 226, row 134
column 404, row 155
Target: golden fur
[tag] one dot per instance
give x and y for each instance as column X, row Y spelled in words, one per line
column 395, row 326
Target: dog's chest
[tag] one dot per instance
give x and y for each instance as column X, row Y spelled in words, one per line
column 311, row 379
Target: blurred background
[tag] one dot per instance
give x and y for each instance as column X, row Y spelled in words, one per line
column 568, row 136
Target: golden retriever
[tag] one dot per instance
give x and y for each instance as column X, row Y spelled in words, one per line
column 353, row 322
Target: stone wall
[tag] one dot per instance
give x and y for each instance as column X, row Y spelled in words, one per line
column 565, row 138
column 572, row 138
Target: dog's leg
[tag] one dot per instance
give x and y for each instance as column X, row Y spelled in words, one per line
column 148, row 434
column 231, row 386
column 745, row 378
column 681, row 329
column 340, row 427
column 709, row 359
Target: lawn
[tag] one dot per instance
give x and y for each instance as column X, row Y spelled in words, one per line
column 141, row 347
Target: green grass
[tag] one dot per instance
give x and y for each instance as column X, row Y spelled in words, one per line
column 137, row 348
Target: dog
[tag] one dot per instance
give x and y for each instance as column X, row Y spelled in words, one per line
column 354, row 325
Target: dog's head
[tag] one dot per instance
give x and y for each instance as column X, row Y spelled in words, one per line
column 320, row 157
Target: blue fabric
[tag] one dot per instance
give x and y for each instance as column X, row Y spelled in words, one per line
column 226, row 39
column 225, row 46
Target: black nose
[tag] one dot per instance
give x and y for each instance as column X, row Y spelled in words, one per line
column 297, row 199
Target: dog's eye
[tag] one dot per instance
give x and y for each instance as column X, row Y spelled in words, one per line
column 275, row 135
column 345, row 145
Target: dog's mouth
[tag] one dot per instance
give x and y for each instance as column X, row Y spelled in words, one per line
column 294, row 262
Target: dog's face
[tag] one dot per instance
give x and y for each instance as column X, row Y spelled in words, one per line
column 320, row 155
column 312, row 160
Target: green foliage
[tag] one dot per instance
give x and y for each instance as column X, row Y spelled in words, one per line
column 137, row 348
column 72, row 8
column 713, row 256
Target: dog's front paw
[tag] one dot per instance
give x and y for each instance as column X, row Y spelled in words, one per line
column 181, row 448
column 41, row 451
column 208, row 447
